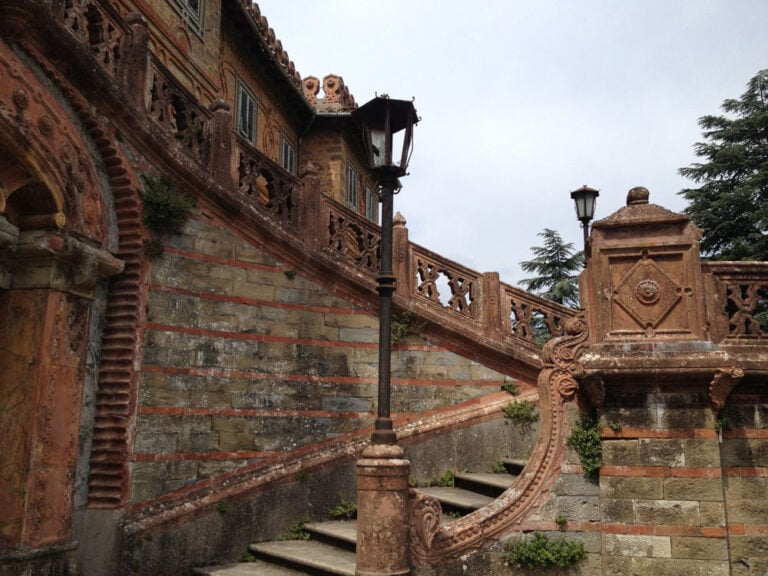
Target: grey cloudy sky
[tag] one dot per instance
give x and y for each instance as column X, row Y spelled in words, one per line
column 522, row 102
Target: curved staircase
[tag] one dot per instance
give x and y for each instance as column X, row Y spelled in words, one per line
column 330, row 548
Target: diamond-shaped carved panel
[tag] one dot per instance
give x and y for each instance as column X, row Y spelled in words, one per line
column 647, row 293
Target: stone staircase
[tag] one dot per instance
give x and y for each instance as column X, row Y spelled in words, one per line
column 330, row 549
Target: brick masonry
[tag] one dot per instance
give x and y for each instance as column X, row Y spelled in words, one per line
column 245, row 358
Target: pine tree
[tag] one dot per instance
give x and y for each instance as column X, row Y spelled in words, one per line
column 556, row 265
column 731, row 205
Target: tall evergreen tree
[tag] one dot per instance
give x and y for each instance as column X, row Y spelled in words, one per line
column 556, row 265
column 731, row 205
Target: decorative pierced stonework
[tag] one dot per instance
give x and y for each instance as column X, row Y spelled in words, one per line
column 355, row 242
column 178, row 112
column 461, row 287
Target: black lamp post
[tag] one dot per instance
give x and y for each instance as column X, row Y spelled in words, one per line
column 381, row 119
column 585, row 199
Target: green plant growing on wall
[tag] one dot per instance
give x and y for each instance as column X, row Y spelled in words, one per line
column 222, row 507
column 510, row 387
column 561, row 521
column 166, row 209
column 445, row 481
column 297, row 531
column 522, row 412
column 723, row 420
column 403, row 325
column 585, row 440
column 541, row 552
column 344, row 510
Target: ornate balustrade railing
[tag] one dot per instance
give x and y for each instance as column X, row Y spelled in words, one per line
column 253, row 184
column 441, row 283
column 531, row 318
column 98, row 26
column 264, row 185
column 174, row 108
column 350, row 238
column 738, row 309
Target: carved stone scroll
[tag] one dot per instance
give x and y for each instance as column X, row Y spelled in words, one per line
column 432, row 542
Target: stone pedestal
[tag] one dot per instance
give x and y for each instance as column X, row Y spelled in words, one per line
column 382, row 512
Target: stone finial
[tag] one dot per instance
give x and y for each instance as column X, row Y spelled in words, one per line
column 637, row 195
column 311, row 89
column 333, row 88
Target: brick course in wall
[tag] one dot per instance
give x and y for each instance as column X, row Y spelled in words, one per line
column 245, row 358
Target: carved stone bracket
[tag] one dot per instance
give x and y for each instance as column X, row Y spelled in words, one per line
column 46, row 259
column 722, row 383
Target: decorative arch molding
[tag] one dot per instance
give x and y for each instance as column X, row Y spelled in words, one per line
column 115, row 399
column 432, row 543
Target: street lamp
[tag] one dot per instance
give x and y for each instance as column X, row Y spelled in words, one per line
column 383, row 120
column 585, row 199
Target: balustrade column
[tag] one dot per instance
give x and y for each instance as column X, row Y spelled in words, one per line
column 136, row 61
column 490, row 304
column 222, row 162
column 401, row 258
column 310, row 215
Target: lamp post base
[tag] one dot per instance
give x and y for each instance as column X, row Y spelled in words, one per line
column 382, row 512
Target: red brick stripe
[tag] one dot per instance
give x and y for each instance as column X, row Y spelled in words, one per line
column 223, row 261
column 660, row 472
column 246, row 412
column 175, row 456
column 246, row 375
column 255, row 302
column 634, row 433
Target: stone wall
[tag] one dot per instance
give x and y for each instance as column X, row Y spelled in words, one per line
column 245, row 358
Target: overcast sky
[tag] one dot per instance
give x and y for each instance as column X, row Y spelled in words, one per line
column 522, row 102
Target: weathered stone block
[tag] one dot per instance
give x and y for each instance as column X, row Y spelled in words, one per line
column 662, row 452
column 710, row 489
column 617, row 511
column 576, row 485
column 753, row 512
column 156, row 442
column 621, row 453
column 738, row 488
column 677, row 567
column 700, row 548
column 744, row 452
column 348, row 404
column 701, row 453
column 750, row 551
column 668, row 512
column 637, row 546
column 712, row 513
column 631, row 488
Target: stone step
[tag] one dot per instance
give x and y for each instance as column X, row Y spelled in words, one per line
column 308, row 556
column 514, row 466
column 488, row 484
column 341, row 532
column 330, row 551
column 457, row 498
column 255, row 568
